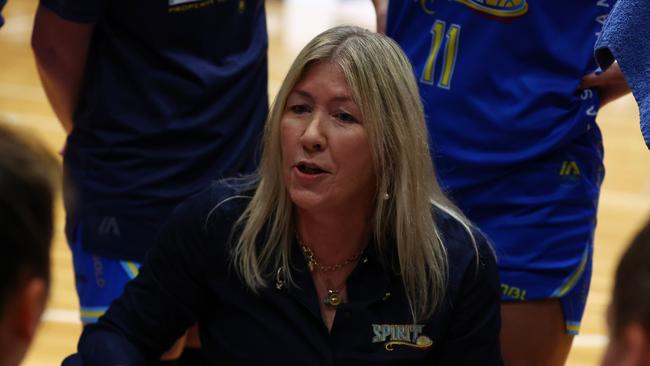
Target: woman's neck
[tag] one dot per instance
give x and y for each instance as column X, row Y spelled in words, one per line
column 333, row 238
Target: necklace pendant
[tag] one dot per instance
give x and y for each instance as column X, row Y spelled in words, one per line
column 310, row 265
column 333, row 298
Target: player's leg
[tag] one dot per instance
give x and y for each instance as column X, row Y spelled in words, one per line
column 541, row 220
column 540, row 332
column 98, row 280
column 533, row 333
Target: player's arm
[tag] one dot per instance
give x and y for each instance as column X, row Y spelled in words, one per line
column 61, row 48
column 611, row 84
column 381, row 9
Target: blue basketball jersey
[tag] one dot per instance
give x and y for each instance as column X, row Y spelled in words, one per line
column 498, row 78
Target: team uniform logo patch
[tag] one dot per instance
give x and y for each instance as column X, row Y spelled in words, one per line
column 498, row 8
column 401, row 335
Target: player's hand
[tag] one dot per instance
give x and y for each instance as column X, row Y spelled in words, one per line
column 611, row 84
column 381, row 8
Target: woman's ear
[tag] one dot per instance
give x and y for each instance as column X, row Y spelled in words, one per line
column 636, row 343
column 28, row 305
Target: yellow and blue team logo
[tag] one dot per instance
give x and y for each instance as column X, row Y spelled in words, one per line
column 404, row 335
column 502, row 9
column 498, row 8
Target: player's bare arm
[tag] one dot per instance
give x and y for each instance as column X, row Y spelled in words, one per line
column 60, row 48
column 381, row 8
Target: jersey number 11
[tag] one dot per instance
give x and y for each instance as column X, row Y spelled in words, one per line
column 449, row 57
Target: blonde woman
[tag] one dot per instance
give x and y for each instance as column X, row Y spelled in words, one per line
column 341, row 250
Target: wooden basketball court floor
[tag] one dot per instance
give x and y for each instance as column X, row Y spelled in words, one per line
column 624, row 204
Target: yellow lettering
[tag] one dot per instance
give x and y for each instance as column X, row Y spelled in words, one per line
column 573, row 168
column 513, row 292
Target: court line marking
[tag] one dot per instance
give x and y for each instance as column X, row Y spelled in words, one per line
column 61, row 316
column 590, row 341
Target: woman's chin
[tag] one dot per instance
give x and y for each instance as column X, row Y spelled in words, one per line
column 309, row 200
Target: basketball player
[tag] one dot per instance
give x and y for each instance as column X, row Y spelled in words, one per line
column 158, row 98
column 517, row 146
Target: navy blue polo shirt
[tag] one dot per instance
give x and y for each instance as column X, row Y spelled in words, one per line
column 187, row 277
column 174, row 96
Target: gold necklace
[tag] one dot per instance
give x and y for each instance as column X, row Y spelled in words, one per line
column 312, row 261
column 333, row 297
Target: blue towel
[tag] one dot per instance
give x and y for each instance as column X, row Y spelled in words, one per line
column 626, row 39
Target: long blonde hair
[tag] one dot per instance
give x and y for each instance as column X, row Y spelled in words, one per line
column 382, row 85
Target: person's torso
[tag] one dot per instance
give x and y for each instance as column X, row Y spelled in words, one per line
column 498, row 79
column 283, row 322
column 174, row 95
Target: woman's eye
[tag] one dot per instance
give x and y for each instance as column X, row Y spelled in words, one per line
column 345, row 117
column 299, row 108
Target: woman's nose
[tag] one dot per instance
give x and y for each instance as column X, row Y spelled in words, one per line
column 313, row 138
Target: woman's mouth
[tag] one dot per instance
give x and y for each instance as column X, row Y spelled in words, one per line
column 309, row 169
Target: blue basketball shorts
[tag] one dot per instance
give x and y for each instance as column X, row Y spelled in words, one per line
column 541, row 220
column 99, row 280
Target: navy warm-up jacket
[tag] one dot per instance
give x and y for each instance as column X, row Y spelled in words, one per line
column 188, row 278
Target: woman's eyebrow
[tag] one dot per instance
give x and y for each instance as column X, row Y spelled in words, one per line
column 338, row 98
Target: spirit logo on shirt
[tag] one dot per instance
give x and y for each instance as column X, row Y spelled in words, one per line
column 408, row 335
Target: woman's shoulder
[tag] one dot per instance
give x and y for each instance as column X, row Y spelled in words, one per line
column 472, row 267
column 220, row 202
column 463, row 241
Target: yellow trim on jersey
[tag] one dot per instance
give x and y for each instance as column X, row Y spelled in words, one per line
column 574, row 277
column 92, row 313
column 503, row 10
column 134, row 269
column 573, row 328
column 131, row 268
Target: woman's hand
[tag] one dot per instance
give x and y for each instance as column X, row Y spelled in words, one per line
column 611, row 84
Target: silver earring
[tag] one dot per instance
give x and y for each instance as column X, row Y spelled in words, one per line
column 386, row 196
column 279, row 278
